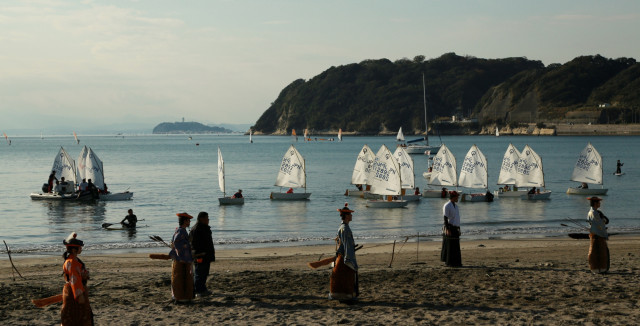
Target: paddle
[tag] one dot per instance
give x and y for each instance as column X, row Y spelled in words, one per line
column 157, row 238
column 327, row 261
column 41, row 303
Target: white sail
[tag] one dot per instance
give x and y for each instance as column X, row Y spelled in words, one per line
column 81, row 163
column 473, row 173
column 444, row 168
column 64, row 166
column 306, row 134
column 221, row 171
column 405, row 163
column 588, row 167
column 94, row 169
column 250, row 136
column 292, row 170
column 529, row 169
column 340, row 134
column 385, row 174
column 497, row 132
column 508, row 169
column 400, row 135
column 363, row 165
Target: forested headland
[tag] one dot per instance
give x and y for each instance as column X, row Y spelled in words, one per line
column 380, row 96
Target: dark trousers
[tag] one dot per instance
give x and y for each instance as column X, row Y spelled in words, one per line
column 200, row 276
column 450, row 253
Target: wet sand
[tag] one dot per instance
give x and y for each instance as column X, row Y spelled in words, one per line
column 504, row 282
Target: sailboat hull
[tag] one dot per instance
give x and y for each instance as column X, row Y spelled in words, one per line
column 510, row 193
column 380, row 203
column 354, row 193
column 421, row 149
column 543, row 195
column 291, row 196
column 58, row 197
column 430, row 193
column 411, row 197
column 116, row 196
column 474, row 198
column 231, row 201
column 588, row 191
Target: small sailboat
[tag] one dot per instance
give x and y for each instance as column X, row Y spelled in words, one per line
column 400, row 136
column 474, row 174
column 63, row 167
column 588, row 170
column 361, row 169
column 497, row 132
column 507, row 176
column 7, row 138
column 385, row 181
column 90, row 166
column 250, row 136
column 407, row 175
column 292, row 174
column 340, row 134
column 294, row 135
column 421, row 145
column 224, row 200
column 531, row 175
column 305, row 137
column 75, row 136
column 443, row 173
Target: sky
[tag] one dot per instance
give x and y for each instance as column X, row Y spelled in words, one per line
column 119, row 63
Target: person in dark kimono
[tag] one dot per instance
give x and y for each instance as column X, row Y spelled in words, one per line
column 343, row 283
column 450, row 253
column 203, row 252
column 598, row 249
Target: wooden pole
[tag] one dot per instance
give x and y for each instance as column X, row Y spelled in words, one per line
column 11, row 260
column 393, row 250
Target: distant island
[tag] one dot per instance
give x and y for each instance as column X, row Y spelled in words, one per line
column 188, row 128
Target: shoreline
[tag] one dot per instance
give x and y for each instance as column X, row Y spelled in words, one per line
column 516, row 281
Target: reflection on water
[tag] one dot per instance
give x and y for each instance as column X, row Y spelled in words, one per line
column 66, row 212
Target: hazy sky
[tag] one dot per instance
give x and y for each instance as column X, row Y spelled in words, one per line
column 98, row 62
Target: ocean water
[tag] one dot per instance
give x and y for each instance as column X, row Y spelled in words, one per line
column 171, row 174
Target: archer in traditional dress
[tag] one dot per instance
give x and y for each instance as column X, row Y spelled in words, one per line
column 75, row 294
column 344, row 276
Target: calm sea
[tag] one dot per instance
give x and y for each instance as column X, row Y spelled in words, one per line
column 170, row 174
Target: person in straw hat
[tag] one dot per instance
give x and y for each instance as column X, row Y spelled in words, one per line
column 75, row 294
column 450, row 253
column 343, row 283
column 182, row 269
column 598, row 249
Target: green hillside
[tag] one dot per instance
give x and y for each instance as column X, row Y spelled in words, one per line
column 379, row 95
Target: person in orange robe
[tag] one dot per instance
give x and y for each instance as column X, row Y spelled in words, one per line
column 75, row 294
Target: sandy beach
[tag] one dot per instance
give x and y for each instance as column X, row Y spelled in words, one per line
column 504, row 282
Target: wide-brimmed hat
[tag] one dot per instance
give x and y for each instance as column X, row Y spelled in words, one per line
column 72, row 241
column 345, row 209
column 184, row 215
column 453, row 193
column 594, row 198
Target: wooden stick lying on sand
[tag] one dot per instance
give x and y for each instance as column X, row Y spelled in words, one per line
column 160, row 256
column 322, row 262
column 41, row 303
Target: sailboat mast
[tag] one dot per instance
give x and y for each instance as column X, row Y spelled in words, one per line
column 426, row 127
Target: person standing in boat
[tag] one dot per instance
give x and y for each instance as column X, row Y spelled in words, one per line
column 618, row 167
column 598, row 249
column 343, row 283
column 450, row 253
column 182, row 270
column 52, row 177
column 75, row 294
column 203, row 251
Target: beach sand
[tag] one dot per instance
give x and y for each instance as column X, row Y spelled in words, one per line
column 504, row 282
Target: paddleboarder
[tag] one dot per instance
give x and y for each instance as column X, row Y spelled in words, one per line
column 75, row 294
column 131, row 220
column 618, row 166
